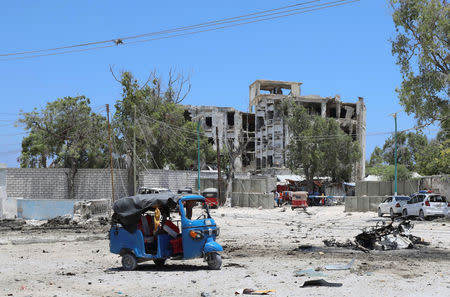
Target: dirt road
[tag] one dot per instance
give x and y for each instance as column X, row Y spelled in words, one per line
column 261, row 252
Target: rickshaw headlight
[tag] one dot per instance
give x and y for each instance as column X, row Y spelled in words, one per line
column 195, row 235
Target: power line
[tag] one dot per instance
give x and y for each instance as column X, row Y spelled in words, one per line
column 155, row 33
column 238, row 20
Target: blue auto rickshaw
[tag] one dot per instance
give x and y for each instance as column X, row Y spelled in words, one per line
column 196, row 239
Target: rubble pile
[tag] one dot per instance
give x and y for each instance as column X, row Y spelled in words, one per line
column 60, row 221
column 382, row 237
column 11, row 224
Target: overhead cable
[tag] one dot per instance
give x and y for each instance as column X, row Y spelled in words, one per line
column 233, row 22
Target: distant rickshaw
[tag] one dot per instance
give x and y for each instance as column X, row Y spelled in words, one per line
column 299, row 199
column 211, row 197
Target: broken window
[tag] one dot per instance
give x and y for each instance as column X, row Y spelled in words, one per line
column 230, row 118
column 343, row 113
column 259, row 122
column 258, row 163
column 187, row 116
column 211, row 140
column 270, row 161
column 263, row 162
column 270, row 114
column 208, row 121
column 248, row 122
column 333, row 113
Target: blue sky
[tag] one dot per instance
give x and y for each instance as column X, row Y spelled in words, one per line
column 342, row 50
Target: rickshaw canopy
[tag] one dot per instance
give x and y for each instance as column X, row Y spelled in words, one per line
column 128, row 210
column 300, row 195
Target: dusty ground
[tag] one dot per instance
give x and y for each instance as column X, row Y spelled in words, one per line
column 259, row 253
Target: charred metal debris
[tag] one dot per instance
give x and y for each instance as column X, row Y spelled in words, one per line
column 383, row 236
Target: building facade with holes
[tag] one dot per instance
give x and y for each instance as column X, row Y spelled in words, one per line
column 261, row 135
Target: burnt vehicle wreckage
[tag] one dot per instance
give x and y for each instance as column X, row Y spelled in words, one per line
column 383, row 236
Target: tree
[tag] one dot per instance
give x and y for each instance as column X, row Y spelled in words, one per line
column 409, row 146
column 387, row 172
column 422, row 50
column 414, row 152
column 165, row 134
column 319, row 147
column 435, row 158
column 65, row 134
column 376, row 157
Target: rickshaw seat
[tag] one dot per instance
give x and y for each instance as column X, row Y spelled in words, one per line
column 146, row 227
column 171, row 229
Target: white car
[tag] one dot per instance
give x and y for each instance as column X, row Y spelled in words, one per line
column 392, row 205
column 425, row 204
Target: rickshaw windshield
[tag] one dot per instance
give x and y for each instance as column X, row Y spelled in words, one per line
column 196, row 210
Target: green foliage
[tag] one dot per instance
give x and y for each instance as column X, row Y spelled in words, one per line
column 319, row 147
column 376, row 157
column 415, row 153
column 65, row 133
column 422, row 50
column 409, row 146
column 435, row 158
column 164, row 135
column 387, row 172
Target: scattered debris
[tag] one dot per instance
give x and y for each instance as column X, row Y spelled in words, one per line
column 309, row 272
column 60, row 220
column 333, row 242
column 234, row 265
column 340, row 266
column 382, row 237
column 12, row 224
column 388, row 237
column 204, row 294
column 68, row 273
column 304, row 247
column 254, row 292
column 320, row 283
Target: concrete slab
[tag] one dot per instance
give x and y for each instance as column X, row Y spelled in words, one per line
column 363, row 203
column 374, row 201
column 361, row 188
column 43, row 209
column 8, row 208
column 351, row 203
column 373, row 188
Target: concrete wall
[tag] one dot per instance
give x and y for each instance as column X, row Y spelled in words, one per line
column 51, row 183
column 252, row 200
column 362, row 204
column 436, row 183
column 91, row 184
column 381, row 188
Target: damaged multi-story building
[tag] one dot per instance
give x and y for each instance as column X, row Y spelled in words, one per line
column 263, row 129
column 234, row 129
column 272, row 132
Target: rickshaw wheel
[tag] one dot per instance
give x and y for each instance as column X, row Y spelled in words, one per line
column 129, row 262
column 159, row 262
column 214, row 261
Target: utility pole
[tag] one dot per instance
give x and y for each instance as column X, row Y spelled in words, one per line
column 198, row 153
column 134, row 151
column 110, row 155
column 219, row 178
column 395, row 155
